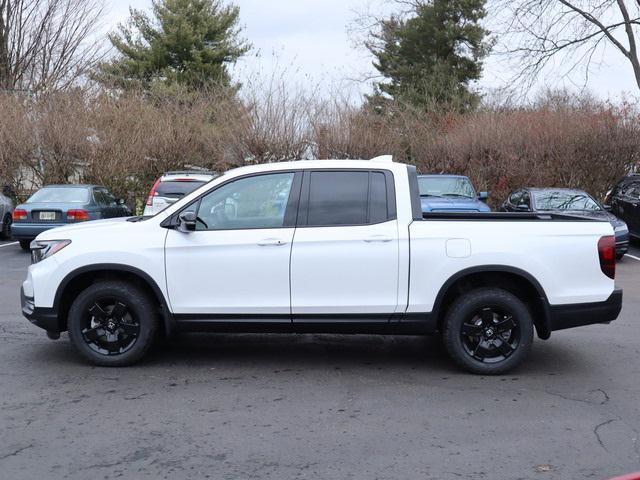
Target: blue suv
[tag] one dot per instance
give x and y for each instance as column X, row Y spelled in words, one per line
column 450, row 193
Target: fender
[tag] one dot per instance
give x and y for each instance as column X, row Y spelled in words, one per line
column 543, row 328
column 167, row 316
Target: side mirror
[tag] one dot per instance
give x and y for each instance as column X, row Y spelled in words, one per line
column 7, row 191
column 522, row 208
column 483, row 195
column 121, row 201
column 608, row 208
column 187, row 222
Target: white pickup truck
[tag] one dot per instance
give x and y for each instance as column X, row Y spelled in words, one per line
column 327, row 247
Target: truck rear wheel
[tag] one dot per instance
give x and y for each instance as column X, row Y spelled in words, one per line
column 112, row 323
column 488, row 331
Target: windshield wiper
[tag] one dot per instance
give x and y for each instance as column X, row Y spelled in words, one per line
column 455, row 195
column 430, row 195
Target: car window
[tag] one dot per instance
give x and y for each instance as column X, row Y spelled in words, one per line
column 253, row 202
column 177, row 188
column 634, row 191
column 441, row 186
column 525, row 199
column 338, row 198
column 378, row 198
column 515, row 198
column 99, row 197
column 60, row 195
column 565, row 200
column 109, row 198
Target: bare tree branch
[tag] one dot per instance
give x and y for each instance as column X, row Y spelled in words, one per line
column 536, row 33
column 46, row 44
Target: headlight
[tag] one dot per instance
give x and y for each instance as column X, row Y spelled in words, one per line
column 41, row 249
column 621, row 228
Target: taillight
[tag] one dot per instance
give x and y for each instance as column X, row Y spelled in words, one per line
column 77, row 215
column 153, row 193
column 607, row 254
column 20, row 214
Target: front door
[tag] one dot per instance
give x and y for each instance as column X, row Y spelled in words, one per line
column 237, row 261
column 344, row 262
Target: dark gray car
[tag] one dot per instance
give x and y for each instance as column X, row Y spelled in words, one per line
column 568, row 201
column 57, row 205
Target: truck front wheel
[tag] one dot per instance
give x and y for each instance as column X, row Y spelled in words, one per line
column 488, row 331
column 112, row 323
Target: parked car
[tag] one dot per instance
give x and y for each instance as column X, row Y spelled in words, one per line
column 568, row 201
column 6, row 209
column 172, row 186
column 450, row 193
column 57, row 205
column 624, row 200
column 351, row 252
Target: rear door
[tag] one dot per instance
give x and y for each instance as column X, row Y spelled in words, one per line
column 344, row 261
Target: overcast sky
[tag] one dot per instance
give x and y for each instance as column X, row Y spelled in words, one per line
column 310, row 40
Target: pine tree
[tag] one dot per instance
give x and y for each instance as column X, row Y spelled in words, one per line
column 431, row 57
column 188, row 42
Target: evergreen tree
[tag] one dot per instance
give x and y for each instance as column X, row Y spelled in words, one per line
column 188, row 43
column 431, row 57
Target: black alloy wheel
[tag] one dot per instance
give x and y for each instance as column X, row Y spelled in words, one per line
column 490, row 335
column 113, row 323
column 110, row 328
column 488, row 331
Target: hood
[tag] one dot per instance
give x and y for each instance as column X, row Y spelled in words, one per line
column 451, row 204
column 96, row 225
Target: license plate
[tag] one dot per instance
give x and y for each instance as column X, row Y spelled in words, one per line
column 47, row 215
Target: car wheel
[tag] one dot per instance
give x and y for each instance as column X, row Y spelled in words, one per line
column 620, row 256
column 5, row 232
column 25, row 245
column 112, row 323
column 488, row 331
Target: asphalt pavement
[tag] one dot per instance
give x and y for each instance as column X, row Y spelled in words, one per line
column 318, row 406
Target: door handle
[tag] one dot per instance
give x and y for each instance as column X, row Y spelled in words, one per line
column 378, row 238
column 271, row 242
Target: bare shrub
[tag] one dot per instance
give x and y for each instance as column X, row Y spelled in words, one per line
column 126, row 142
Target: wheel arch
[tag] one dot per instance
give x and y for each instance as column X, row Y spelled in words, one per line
column 79, row 279
column 517, row 281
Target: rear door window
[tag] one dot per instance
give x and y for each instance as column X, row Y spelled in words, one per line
column 340, row 198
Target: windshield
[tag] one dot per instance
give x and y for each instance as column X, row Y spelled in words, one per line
column 559, row 200
column 446, row 187
column 60, row 195
column 177, row 188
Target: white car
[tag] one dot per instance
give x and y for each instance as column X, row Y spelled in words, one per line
column 6, row 210
column 172, row 186
column 322, row 246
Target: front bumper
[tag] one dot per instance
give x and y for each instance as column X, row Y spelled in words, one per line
column 29, row 231
column 46, row 318
column 580, row 314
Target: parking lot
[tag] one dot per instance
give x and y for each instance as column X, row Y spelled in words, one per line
column 267, row 406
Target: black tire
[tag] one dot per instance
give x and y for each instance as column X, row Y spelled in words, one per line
column 620, row 256
column 107, row 338
column 25, row 245
column 5, row 232
column 488, row 331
